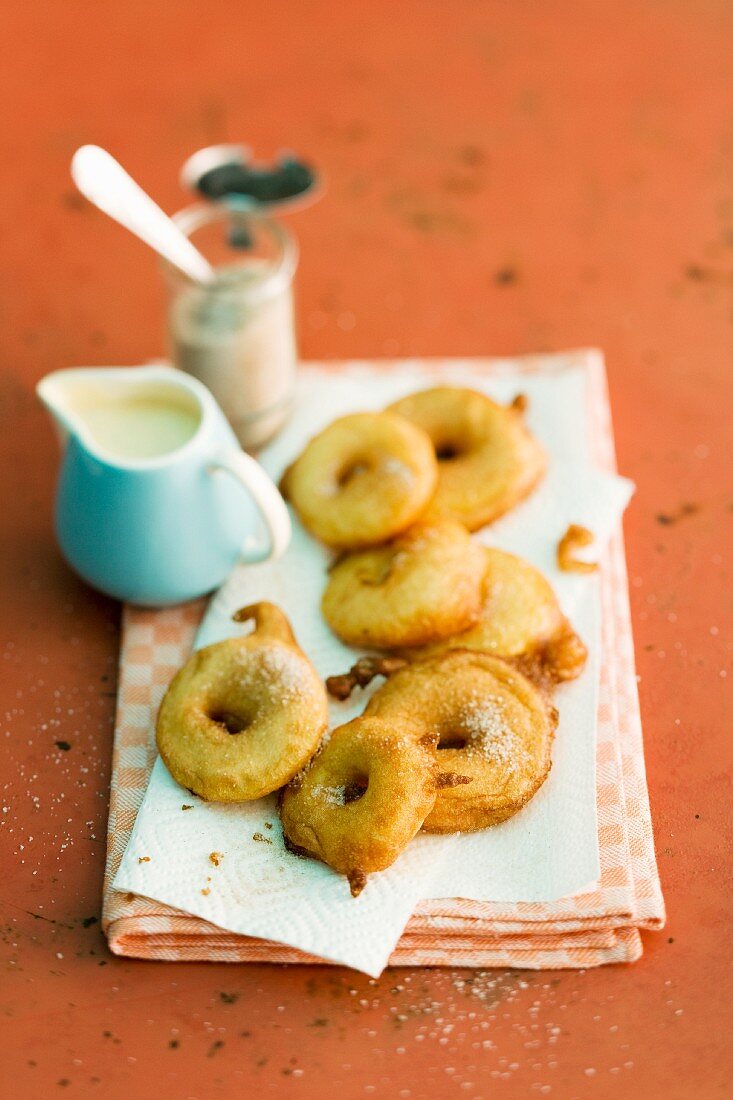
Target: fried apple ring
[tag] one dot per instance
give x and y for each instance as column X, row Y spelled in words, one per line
column 521, row 617
column 244, row 715
column 362, row 480
column 424, row 585
column 494, row 729
column 487, row 458
column 362, row 798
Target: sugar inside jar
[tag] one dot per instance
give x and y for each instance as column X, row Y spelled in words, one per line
column 237, row 333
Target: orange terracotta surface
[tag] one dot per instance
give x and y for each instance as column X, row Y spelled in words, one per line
column 501, row 178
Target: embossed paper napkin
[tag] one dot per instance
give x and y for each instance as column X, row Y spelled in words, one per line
column 546, row 863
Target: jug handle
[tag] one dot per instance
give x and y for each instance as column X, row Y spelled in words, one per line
column 270, row 505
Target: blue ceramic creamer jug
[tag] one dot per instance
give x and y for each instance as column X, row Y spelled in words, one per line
column 156, row 501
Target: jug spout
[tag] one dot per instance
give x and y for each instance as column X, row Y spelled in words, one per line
column 55, row 394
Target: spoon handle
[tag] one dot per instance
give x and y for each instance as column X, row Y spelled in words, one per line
column 104, row 181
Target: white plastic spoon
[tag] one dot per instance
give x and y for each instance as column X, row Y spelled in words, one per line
column 104, row 181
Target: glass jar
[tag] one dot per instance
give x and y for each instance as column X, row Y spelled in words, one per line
column 237, row 333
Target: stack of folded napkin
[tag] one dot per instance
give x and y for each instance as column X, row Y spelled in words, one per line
column 589, row 882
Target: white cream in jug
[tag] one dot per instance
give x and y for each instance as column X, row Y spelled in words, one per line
column 139, row 426
column 237, row 337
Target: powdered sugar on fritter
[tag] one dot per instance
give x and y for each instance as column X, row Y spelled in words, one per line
column 484, row 722
column 392, row 467
column 333, row 796
column 282, row 673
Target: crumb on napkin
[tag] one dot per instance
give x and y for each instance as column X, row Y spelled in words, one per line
column 574, row 539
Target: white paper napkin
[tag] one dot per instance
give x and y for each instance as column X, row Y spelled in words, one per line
column 251, row 885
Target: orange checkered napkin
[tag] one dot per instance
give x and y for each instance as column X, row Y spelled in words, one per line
column 599, row 926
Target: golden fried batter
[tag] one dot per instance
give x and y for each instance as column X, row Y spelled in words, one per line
column 362, row 480
column 488, row 460
column 575, row 538
column 362, row 799
column 521, row 617
column 424, row 585
column 362, row 673
column 494, row 729
column 244, row 715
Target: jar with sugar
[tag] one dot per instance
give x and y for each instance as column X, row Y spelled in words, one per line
column 236, row 334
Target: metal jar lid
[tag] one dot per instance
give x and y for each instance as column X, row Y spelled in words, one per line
column 229, row 173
